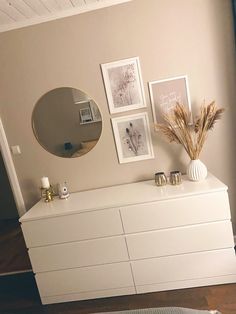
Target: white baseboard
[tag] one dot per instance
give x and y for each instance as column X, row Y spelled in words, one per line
column 16, row 272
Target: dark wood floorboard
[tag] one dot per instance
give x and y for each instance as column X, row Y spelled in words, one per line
column 14, row 256
column 19, row 295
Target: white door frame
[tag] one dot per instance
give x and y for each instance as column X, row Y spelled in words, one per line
column 10, row 168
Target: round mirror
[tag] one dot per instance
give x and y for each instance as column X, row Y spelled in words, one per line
column 67, row 122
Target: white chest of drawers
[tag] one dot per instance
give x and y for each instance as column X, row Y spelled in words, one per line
column 132, row 238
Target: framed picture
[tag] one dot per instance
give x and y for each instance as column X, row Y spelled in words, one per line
column 85, row 115
column 132, row 137
column 123, row 85
column 165, row 94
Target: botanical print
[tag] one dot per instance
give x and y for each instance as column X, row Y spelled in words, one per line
column 123, row 85
column 132, row 136
column 165, row 94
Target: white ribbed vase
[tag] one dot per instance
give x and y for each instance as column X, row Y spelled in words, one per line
column 196, row 170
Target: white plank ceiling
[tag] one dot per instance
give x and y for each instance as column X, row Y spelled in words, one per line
column 21, row 13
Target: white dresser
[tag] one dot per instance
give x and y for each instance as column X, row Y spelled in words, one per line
column 132, row 238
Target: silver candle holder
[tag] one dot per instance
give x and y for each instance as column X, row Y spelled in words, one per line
column 160, row 179
column 175, row 177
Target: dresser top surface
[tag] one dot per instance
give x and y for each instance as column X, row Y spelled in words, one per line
column 120, row 196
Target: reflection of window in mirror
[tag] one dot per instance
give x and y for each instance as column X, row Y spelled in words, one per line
column 95, row 111
column 57, row 118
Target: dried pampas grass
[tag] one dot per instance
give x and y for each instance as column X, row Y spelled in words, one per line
column 192, row 136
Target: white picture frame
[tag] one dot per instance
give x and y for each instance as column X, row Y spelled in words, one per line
column 123, row 85
column 132, row 137
column 85, row 115
column 164, row 95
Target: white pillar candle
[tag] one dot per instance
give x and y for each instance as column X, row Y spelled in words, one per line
column 45, row 183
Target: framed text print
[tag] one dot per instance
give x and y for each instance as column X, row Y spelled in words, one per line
column 165, row 94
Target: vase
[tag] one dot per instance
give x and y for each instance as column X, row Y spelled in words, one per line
column 196, row 170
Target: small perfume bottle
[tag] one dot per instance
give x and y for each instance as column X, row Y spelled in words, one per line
column 63, row 190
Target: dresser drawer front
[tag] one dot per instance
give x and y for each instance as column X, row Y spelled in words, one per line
column 85, row 279
column 76, row 227
column 184, row 267
column 77, row 254
column 192, row 238
column 176, row 212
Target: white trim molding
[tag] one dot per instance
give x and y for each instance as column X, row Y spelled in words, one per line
column 10, row 168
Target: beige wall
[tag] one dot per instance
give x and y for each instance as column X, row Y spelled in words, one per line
column 171, row 38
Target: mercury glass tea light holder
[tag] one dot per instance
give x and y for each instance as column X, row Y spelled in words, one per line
column 175, row 177
column 160, row 179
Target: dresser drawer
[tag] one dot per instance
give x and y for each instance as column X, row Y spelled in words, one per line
column 85, row 279
column 184, row 267
column 72, row 228
column 176, row 212
column 77, row 254
column 208, row 236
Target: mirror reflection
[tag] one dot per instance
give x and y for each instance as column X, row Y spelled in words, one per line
column 67, row 122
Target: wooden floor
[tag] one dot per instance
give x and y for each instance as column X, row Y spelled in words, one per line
column 19, row 295
column 13, row 256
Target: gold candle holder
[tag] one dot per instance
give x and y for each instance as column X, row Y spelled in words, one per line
column 47, row 194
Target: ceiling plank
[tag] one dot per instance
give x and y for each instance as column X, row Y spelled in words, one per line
column 22, row 7
column 91, row 1
column 78, row 3
column 51, row 5
column 5, row 19
column 51, row 10
column 64, row 4
column 37, row 6
column 11, row 11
